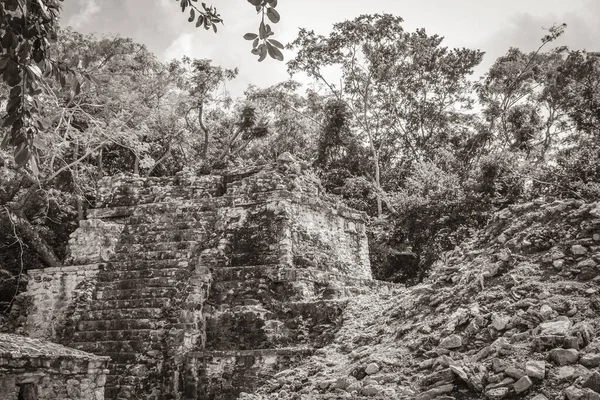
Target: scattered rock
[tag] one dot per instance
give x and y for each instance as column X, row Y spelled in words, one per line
column 539, row 397
column 506, row 382
column 435, row 392
column 536, row 369
column 344, row 382
column 547, row 312
column 565, row 373
column 593, row 382
column 372, row 368
column 523, row 384
column 325, row 384
column 575, row 393
column 514, row 372
column 371, row 390
column 578, row 250
column 564, row 356
column 498, row 365
column 591, row 360
column 499, row 322
column 560, row 328
column 286, row 158
column 451, row 342
column 497, row 394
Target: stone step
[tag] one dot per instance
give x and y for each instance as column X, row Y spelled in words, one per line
column 103, row 347
column 255, row 257
column 170, row 235
column 113, row 276
column 123, row 250
column 130, row 334
column 126, row 313
column 241, row 273
column 133, row 303
column 140, row 283
column 202, row 206
column 122, row 357
column 175, row 216
column 140, row 293
column 132, row 265
column 286, row 273
column 257, row 353
column 134, row 194
column 160, row 208
column 118, row 324
column 263, row 291
column 273, row 325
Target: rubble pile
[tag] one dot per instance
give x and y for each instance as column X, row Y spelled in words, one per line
column 511, row 314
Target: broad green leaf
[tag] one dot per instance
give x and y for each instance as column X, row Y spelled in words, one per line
column 274, row 52
column 262, row 49
column 22, row 155
column 13, row 103
column 3, row 61
column 276, row 43
column 262, row 30
column 273, row 15
column 250, row 36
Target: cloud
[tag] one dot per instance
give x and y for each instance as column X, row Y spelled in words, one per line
column 525, row 32
column 88, row 9
column 182, row 45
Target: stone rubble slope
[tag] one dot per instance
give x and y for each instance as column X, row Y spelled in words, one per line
column 512, row 314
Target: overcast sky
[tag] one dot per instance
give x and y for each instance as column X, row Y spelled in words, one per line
column 490, row 25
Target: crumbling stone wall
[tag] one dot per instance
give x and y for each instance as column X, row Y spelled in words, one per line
column 206, row 285
column 52, row 294
column 47, row 371
column 94, row 241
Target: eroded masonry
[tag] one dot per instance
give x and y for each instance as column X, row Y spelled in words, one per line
column 200, row 287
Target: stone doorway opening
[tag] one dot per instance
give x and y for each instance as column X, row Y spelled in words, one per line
column 27, row 391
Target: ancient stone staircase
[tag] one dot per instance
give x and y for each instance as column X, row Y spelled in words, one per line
column 138, row 297
column 146, row 301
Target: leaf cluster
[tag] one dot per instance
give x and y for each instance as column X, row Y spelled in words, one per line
column 26, row 29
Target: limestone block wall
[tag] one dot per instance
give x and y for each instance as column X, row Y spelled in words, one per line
column 53, row 295
column 94, row 241
column 33, row 369
column 131, row 190
column 329, row 239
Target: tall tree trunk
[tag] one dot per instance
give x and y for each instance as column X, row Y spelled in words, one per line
column 378, row 183
column 78, row 193
column 33, row 238
column 205, row 130
column 101, row 163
